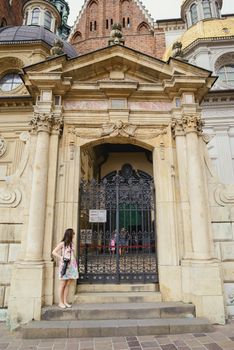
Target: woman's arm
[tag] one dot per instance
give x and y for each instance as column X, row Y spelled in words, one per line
column 57, row 249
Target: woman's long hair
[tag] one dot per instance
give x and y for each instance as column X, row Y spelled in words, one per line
column 68, row 236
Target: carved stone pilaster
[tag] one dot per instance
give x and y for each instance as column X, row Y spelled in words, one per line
column 3, row 146
column 41, row 122
column 57, row 125
column 193, row 123
column 177, row 127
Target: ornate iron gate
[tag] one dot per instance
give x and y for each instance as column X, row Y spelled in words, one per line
column 120, row 248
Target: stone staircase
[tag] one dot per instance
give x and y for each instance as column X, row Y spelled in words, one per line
column 117, row 310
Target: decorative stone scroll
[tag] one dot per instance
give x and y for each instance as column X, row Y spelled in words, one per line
column 224, row 195
column 9, row 198
column 186, row 125
column 46, row 122
column 119, row 128
column 3, row 146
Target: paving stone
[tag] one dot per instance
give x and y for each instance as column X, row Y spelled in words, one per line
column 120, row 346
column 168, row 347
column 213, row 346
column 148, row 344
column 132, row 344
column 3, row 345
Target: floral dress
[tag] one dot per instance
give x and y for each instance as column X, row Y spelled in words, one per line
column 72, row 270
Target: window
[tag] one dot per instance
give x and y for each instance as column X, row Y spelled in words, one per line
column 95, row 25
column 107, row 24
column 47, row 20
column 91, row 26
column 226, row 74
column 124, row 22
column 35, row 16
column 10, row 82
column 206, row 9
column 193, row 11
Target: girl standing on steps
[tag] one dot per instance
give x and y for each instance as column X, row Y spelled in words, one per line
column 68, row 270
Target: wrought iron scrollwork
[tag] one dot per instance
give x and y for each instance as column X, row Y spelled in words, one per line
column 123, row 248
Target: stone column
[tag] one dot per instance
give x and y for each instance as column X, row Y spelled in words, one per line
column 42, row 125
column 201, row 275
column 181, row 154
column 196, row 189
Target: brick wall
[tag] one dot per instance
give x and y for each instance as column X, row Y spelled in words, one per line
column 93, row 29
column 11, row 14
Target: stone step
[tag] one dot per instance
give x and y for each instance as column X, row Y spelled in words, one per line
column 115, row 297
column 113, row 328
column 100, row 288
column 119, row 311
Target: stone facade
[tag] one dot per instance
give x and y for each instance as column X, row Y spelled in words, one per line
column 51, row 124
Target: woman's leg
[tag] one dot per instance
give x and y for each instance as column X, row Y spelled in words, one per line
column 61, row 291
column 66, row 290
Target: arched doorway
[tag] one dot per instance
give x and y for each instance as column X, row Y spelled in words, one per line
column 117, row 235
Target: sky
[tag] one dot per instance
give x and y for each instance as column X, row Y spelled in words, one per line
column 159, row 9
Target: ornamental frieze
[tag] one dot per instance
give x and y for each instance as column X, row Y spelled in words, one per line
column 118, row 129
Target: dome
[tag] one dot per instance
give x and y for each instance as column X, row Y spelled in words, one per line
column 205, row 30
column 33, row 33
column 212, row 28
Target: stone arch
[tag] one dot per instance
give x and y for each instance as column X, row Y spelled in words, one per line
column 143, row 28
column 224, row 59
column 10, row 64
column 120, row 140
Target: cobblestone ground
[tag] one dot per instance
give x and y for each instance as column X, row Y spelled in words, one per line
column 221, row 339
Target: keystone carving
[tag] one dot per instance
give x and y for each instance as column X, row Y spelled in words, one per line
column 119, row 128
column 3, row 146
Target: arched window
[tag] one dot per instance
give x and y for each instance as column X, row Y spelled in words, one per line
column 77, row 37
column 35, row 16
column 206, row 8
column 47, row 20
column 10, row 82
column 226, row 74
column 3, row 23
column 194, row 16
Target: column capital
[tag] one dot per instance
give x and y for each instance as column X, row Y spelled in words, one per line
column 177, row 127
column 192, row 123
column 47, row 122
column 41, row 122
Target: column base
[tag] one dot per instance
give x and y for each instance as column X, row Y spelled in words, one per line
column 203, row 286
column 26, row 293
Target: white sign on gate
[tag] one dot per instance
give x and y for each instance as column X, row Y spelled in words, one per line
column 97, row 215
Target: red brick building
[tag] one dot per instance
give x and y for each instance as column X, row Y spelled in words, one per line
column 11, row 12
column 92, row 28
